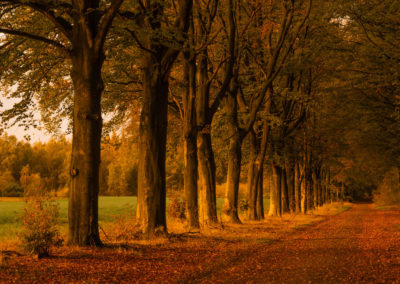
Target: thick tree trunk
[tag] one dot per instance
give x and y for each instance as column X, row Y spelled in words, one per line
column 252, row 178
column 190, row 145
column 85, row 160
column 230, row 206
column 152, row 148
column 260, row 196
column 275, row 208
column 285, row 192
column 297, row 187
column 157, row 65
column 205, row 154
column 207, row 189
column 290, row 184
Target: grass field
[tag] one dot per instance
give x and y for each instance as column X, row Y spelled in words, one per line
column 109, row 208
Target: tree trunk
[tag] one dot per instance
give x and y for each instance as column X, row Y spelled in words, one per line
column 297, row 187
column 310, row 191
column 290, row 183
column 275, row 208
column 251, row 178
column 157, row 65
column 230, row 206
column 152, row 148
column 207, row 189
column 315, row 188
column 303, row 188
column 190, row 145
column 285, row 192
column 255, row 179
column 260, row 195
column 85, row 159
column 205, row 154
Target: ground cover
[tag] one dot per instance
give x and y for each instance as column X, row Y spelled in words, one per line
column 178, row 257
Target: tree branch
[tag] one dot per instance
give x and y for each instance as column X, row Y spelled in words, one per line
column 105, row 24
column 56, row 44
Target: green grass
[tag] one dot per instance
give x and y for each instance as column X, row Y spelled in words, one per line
column 109, row 208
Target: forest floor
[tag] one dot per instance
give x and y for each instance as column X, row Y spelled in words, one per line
column 359, row 245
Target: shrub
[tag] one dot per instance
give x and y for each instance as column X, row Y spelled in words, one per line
column 177, row 209
column 123, row 228
column 40, row 233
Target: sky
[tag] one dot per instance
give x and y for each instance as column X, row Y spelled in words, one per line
column 36, row 135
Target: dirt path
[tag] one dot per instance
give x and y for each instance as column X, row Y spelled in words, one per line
column 360, row 245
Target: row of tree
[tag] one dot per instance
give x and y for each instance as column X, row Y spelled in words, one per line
column 43, row 168
column 283, row 84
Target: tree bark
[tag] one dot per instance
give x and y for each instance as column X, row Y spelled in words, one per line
column 285, row 192
column 190, row 144
column 158, row 60
column 230, row 206
column 303, row 188
column 85, row 159
column 87, row 40
column 275, row 208
column 251, row 178
column 290, row 184
column 152, row 149
column 260, row 195
column 256, row 165
column 205, row 154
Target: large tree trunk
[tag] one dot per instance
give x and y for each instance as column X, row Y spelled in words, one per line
column 207, row 189
column 87, row 39
column 85, row 160
column 275, row 208
column 205, row 154
column 157, row 65
column 190, row 145
column 152, row 148
column 230, row 206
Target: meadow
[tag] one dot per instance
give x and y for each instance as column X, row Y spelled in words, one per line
column 110, row 208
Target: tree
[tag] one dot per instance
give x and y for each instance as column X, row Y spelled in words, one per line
column 158, row 59
column 77, row 30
